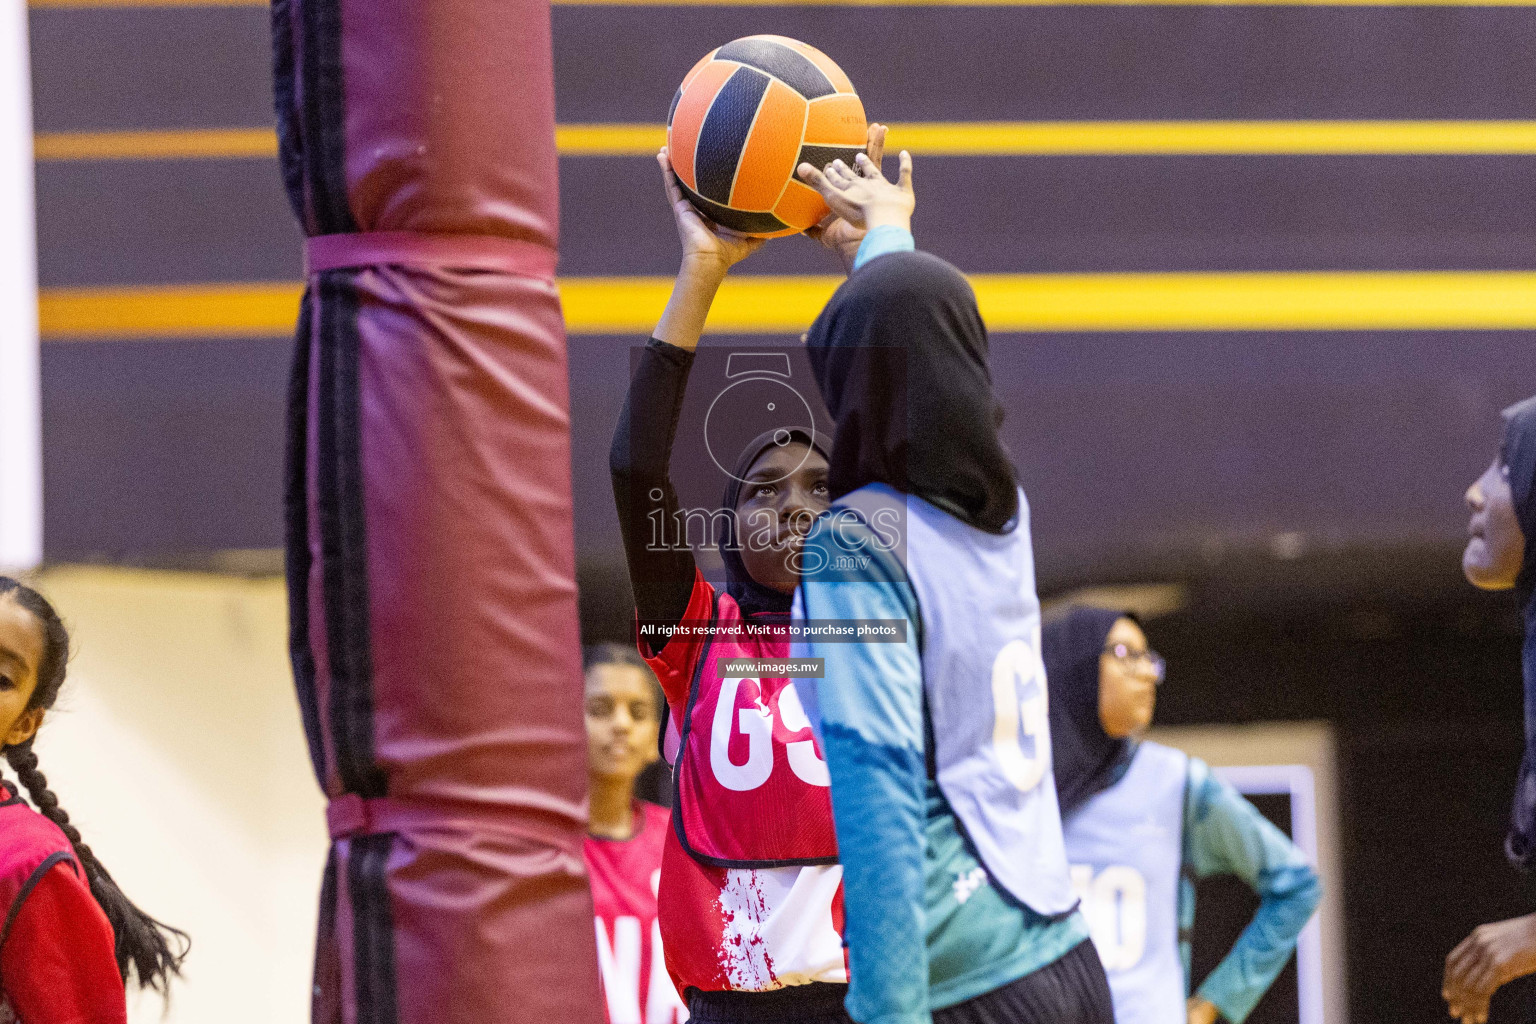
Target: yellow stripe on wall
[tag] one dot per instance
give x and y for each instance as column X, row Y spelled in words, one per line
column 45, row 4
column 982, row 138
column 208, row 143
column 1203, row 138
column 1128, row 138
column 191, row 311
column 609, row 139
column 1039, row 3
column 1384, row 301
column 1259, row 301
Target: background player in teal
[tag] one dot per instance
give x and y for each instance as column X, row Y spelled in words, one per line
column 959, row 907
column 1143, row 820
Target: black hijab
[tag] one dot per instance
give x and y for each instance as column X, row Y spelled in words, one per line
column 1519, row 454
column 1086, row 759
column 900, row 355
column 752, row 596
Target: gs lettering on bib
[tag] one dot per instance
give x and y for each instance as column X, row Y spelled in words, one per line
column 751, row 788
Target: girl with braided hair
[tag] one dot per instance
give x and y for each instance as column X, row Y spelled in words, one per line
column 68, row 935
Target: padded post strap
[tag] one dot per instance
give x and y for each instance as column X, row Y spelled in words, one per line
column 412, row 249
column 350, row 816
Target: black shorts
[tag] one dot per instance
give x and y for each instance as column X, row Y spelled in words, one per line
column 1073, row 990
column 816, row 1003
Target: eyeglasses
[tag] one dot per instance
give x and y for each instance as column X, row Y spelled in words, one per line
column 1127, row 657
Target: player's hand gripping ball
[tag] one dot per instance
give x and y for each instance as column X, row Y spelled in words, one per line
column 745, row 117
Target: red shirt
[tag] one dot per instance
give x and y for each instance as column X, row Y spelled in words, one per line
column 624, row 880
column 741, row 929
column 56, row 958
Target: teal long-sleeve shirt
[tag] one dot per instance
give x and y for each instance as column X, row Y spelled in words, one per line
column 925, row 926
column 881, row 240
column 1224, row 834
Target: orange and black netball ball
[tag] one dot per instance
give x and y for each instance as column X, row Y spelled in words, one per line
column 746, row 116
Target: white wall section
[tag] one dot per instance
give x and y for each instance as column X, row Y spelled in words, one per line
column 177, row 749
column 21, row 463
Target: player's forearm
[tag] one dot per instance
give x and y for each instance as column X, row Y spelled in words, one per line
column 869, row 707
column 693, row 292
column 1225, row 834
column 877, row 801
column 639, row 461
column 1290, row 897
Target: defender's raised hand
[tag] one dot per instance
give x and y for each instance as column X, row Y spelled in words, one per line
column 836, row 233
column 861, row 195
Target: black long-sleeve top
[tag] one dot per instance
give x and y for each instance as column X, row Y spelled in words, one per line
column 639, row 461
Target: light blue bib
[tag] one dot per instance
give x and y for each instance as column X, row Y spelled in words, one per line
column 1126, row 847
column 984, row 683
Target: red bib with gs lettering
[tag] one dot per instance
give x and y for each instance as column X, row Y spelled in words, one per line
column 751, row 788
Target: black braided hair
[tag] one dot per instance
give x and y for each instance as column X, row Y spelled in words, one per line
column 141, row 942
